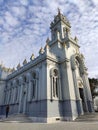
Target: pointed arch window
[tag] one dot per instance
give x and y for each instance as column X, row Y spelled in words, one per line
column 64, row 32
column 34, row 84
column 55, row 84
column 77, row 67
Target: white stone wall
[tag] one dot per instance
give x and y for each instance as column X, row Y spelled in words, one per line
column 3, row 75
column 2, row 87
column 59, row 54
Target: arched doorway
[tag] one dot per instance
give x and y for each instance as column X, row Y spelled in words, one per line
column 80, row 85
column 78, row 70
column 82, row 95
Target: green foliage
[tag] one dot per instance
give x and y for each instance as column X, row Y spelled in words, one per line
column 93, row 84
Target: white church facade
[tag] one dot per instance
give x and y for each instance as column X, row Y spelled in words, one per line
column 53, row 86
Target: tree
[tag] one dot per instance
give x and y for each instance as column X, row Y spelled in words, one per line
column 93, row 83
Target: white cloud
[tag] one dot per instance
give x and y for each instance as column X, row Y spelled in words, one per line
column 1, row 21
column 24, row 2
column 19, row 11
column 95, row 2
column 27, row 22
column 10, row 20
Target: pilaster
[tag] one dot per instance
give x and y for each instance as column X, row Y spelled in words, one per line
column 88, row 95
column 78, row 100
column 21, row 94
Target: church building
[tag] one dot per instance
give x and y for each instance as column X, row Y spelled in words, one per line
column 53, row 86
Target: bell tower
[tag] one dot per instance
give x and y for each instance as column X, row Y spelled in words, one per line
column 60, row 27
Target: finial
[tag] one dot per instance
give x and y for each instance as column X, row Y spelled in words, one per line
column 59, row 12
column 1, row 64
column 47, row 41
column 13, row 69
column 82, row 56
column 24, row 62
column 46, row 46
column 76, row 39
column 41, row 51
column 32, row 57
column 18, row 66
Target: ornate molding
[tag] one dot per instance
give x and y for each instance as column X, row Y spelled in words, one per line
column 80, row 59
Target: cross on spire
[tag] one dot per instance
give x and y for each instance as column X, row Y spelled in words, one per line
column 59, row 11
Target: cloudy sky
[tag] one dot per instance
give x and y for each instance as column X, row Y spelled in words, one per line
column 24, row 27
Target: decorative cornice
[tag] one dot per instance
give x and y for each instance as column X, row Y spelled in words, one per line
column 35, row 62
column 81, row 62
column 70, row 39
column 55, row 41
column 65, row 40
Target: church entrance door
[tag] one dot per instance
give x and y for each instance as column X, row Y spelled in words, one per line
column 83, row 99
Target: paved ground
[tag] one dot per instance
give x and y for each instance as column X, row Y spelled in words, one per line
column 85, row 122
column 55, row 126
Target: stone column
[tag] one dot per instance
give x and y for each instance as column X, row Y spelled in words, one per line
column 59, row 88
column 85, row 100
column 11, row 100
column 9, row 96
column 70, row 81
column 13, row 95
column 15, row 98
column 75, row 86
column 88, row 96
column 36, row 87
column 25, row 97
column 69, row 96
column 85, row 94
column 21, row 94
column 30, row 90
column 51, row 93
column 18, row 93
column 78, row 99
column 7, row 99
column 5, row 96
column 14, row 90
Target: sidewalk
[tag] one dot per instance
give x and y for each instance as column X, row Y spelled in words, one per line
column 55, row 126
column 84, row 122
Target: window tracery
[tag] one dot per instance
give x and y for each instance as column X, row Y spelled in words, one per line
column 55, row 84
column 34, row 85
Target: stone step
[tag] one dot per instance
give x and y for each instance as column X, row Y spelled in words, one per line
column 16, row 118
column 88, row 117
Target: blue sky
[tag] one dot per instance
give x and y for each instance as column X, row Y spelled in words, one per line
column 24, row 27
